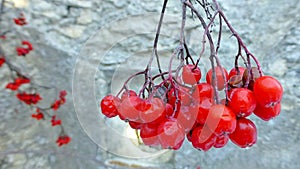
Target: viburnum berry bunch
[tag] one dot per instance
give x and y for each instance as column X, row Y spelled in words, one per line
column 26, row 90
column 180, row 103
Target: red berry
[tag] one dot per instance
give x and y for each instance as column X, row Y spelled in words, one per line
column 38, row 116
column 63, row 140
column 234, row 71
column 155, row 111
column 135, row 125
column 191, row 74
column 131, row 107
column 55, row 121
column 21, row 51
column 22, row 80
column 204, row 107
column 172, row 96
column 202, row 138
column 268, row 91
column 203, row 90
column 187, row 116
column 29, row 98
column 109, row 106
column 28, row 44
column 55, row 106
column 128, row 93
column 12, row 86
column 169, row 110
column 184, row 95
column 170, row 133
column 2, row 61
column 219, row 77
column 267, row 113
column 221, row 141
column 149, row 135
column 242, row 102
column 62, row 94
column 221, row 119
column 179, row 144
column 245, row 134
column 21, row 20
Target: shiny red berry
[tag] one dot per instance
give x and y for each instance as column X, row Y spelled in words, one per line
column 221, row 141
column 149, row 135
column 221, row 119
column 135, row 125
column 267, row 113
column 268, row 91
column 203, row 90
column 204, row 107
column 153, row 113
column 183, row 95
column 191, row 74
column 131, row 107
column 219, row 77
column 245, row 134
column 171, row 134
column 2, row 61
column 109, row 106
column 203, row 138
column 242, row 102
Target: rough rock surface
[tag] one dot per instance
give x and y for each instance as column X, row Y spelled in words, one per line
column 59, row 30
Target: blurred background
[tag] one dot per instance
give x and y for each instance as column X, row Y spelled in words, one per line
column 61, row 29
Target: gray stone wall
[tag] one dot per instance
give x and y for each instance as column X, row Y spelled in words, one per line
column 59, row 30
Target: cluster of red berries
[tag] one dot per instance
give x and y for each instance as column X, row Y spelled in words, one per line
column 38, row 115
column 64, row 139
column 192, row 110
column 32, row 98
column 19, row 81
column 29, row 98
column 62, row 99
column 55, row 121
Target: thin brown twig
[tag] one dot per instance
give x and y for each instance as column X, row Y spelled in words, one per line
column 212, row 50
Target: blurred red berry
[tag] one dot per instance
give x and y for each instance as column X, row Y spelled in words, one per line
column 2, row 61
column 55, row 121
column 63, row 140
column 29, row 98
column 171, row 134
column 12, row 86
column 38, row 116
column 149, row 135
column 21, row 20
